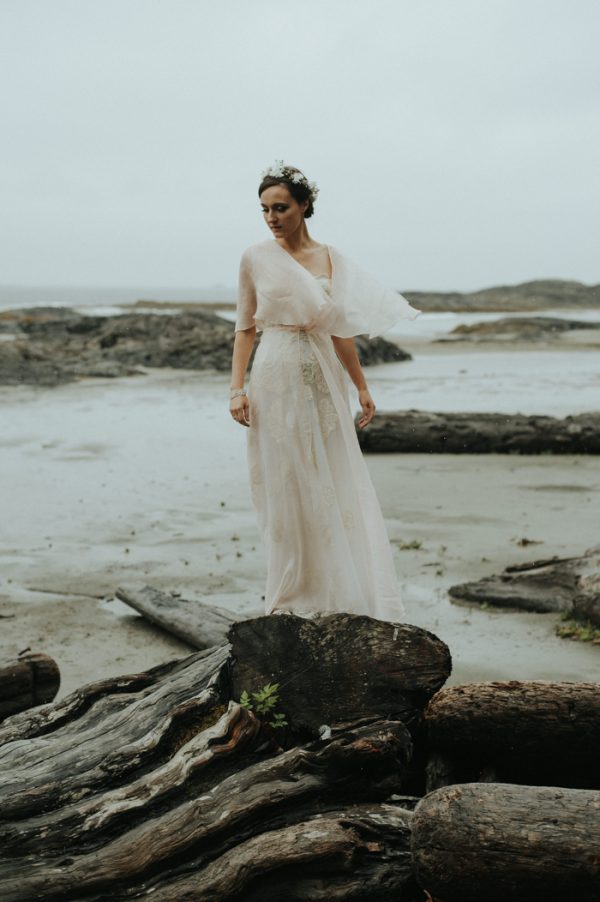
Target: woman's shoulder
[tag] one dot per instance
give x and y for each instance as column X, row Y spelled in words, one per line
column 255, row 249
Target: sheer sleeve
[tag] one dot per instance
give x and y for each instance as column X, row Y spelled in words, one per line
column 246, row 300
column 363, row 305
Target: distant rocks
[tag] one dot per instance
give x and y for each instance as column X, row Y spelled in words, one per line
column 49, row 346
column 377, row 350
column 570, row 584
column 522, row 328
column 53, row 345
column 539, row 294
column 417, row 431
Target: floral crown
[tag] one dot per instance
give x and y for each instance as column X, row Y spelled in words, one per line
column 280, row 171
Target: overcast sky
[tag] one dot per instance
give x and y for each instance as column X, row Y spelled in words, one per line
column 455, row 143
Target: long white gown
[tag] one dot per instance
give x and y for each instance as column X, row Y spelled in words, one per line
column 327, row 548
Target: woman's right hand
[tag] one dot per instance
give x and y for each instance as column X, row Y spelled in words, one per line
column 240, row 409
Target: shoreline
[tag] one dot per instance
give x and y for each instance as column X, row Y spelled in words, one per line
column 110, row 482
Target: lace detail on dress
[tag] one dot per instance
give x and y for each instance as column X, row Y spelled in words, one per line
column 325, row 539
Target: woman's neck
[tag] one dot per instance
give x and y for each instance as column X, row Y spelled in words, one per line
column 298, row 242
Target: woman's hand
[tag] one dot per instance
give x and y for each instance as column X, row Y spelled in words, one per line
column 240, row 410
column 368, row 407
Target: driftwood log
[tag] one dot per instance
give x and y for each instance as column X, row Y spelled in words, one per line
column 415, row 431
column 569, row 584
column 538, row 733
column 494, row 842
column 197, row 623
column 162, row 783
column 32, row 679
column 382, row 668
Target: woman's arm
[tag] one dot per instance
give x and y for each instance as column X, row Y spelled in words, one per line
column 346, row 351
column 242, row 349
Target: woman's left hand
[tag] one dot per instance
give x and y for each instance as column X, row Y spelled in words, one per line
column 368, row 407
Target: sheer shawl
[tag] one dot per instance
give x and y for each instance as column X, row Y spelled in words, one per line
column 275, row 289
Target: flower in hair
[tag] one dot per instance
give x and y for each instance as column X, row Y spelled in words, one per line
column 279, row 170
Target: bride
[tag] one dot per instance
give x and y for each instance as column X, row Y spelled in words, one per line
column 327, row 548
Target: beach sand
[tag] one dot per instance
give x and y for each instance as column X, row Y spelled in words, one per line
column 109, row 483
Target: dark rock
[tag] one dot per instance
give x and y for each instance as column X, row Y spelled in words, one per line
column 539, row 294
column 522, row 328
column 378, row 350
column 415, row 431
column 53, row 345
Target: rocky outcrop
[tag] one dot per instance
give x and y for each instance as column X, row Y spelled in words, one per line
column 52, row 345
column 557, row 584
column 522, row 328
column 419, row 431
column 539, row 294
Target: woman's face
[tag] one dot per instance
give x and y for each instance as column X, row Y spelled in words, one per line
column 282, row 212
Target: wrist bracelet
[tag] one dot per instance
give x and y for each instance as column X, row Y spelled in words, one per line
column 236, row 392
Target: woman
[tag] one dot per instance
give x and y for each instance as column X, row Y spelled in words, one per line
column 326, row 544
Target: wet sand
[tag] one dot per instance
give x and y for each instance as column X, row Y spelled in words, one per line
column 143, row 479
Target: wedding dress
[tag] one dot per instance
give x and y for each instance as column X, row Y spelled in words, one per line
column 327, row 548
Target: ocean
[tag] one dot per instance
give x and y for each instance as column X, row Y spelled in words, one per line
column 103, row 296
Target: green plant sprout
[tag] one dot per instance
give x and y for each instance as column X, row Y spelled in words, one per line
column 582, row 632
column 263, row 702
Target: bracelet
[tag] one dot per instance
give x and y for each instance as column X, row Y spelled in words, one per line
column 236, row 392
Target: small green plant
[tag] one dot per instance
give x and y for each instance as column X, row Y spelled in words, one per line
column 580, row 632
column 413, row 545
column 263, row 703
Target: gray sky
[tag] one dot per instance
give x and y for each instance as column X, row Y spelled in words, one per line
column 455, row 144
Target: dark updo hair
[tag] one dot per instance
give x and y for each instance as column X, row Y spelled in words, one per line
column 300, row 191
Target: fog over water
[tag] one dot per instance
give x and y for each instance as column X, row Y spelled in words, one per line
column 455, row 145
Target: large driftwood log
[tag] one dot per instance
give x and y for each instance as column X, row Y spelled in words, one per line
column 162, row 783
column 358, row 852
column 539, row 733
column 416, row 431
column 201, row 625
column 498, row 842
column 569, row 584
column 30, row 680
column 346, row 665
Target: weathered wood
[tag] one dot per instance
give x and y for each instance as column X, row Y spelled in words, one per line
column 340, row 667
column 569, row 584
column 359, row 852
column 498, row 842
column 30, row 680
column 201, row 625
column 94, row 747
column 417, row 431
column 535, row 732
column 161, row 782
column 190, row 810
